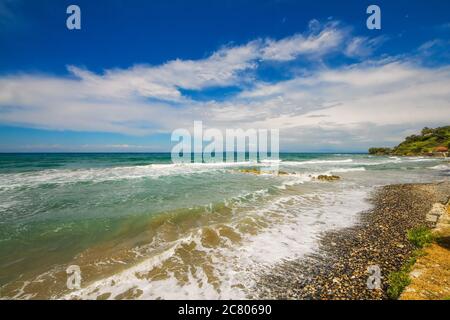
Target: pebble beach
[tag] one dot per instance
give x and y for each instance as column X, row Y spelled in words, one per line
column 339, row 269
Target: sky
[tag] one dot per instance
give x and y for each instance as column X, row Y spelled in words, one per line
column 137, row 70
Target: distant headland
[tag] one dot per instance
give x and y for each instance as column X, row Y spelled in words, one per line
column 430, row 142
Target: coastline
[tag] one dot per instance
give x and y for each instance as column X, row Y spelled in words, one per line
column 339, row 268
column 214, row 244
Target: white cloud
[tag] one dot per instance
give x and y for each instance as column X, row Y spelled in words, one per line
column 435, row 48
column 328, row 40
column 363, row 46
column 346, row 107
column 162, row 82
column 348, row 100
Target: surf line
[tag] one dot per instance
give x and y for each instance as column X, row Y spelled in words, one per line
column 190, row 310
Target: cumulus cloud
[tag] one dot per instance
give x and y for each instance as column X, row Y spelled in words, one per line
column 349, row 108
column 388, row 94
column 344, row 107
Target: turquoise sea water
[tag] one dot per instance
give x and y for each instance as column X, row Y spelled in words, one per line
column 140, row 226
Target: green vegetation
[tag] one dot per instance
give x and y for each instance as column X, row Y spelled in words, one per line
column 423, row 144
column 399, row 280
column 420, row 236
column 380, row 151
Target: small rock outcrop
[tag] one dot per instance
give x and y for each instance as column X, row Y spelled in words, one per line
column 323, row 177
column 258, row 171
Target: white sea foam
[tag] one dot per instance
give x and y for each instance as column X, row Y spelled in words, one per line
column 295, row 179
column 392, row 160
column 339, row 170
column 293, row 219
column 443, row 167
column 271, row 161
column 296, row 222
column 308, row 162
column 63, row 176
column 66, row 176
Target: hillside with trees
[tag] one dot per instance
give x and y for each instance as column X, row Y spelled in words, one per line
column 429, row 142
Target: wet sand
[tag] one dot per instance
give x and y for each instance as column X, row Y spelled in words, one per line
column 339, row 268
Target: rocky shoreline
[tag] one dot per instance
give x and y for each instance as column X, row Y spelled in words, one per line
column 340, row 268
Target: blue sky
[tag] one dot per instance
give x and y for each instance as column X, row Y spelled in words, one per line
column 139, row 69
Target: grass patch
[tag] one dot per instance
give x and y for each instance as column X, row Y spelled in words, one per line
column 420, row 236
column 399, row 280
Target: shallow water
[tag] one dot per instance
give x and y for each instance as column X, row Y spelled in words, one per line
column 141, row 227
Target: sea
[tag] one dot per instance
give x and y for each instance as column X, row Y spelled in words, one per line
column 137, row 226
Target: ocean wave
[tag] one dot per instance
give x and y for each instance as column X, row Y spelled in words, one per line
column 443, row 167
column 270, row 161
column 95, row 175
column 296, row 163
column 394, row 160
column 343, row 170
column 286, row 228
column 295, row 179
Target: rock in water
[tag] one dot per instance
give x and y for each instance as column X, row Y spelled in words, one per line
column 323, row 177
